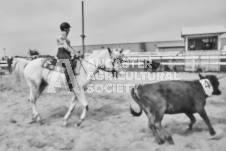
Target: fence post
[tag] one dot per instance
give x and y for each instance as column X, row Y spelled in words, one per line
column 209, row 64
column 193, row 64
column 219, row 60
column 161, row 62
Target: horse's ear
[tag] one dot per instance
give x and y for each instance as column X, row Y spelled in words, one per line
column 109, row 50
column 121, row 50
column 201, row 77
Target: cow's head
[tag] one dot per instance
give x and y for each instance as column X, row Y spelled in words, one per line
column 214, row 82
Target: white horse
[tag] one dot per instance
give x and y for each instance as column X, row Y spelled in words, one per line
column 38, row 78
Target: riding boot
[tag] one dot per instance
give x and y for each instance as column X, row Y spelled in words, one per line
column 70, row 86
column 69, row 83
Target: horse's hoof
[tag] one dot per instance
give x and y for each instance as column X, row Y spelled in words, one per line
column 79, row 124
column 38, row 119
column 64, row 124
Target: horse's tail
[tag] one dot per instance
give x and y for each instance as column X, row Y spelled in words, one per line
column 134, row 94
column 18, row 67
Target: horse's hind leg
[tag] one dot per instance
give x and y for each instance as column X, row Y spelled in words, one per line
column 71, row 108
column 34, row 93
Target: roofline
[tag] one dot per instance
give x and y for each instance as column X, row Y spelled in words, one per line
column 218, row 33
column 170, row 46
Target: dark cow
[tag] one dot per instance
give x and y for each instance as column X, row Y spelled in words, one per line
column 172, row 97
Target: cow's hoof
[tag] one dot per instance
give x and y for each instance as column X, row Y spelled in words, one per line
column 171, row 141
column 30, row 121
column 219, row 134
column 212, row 132
column 187, row 128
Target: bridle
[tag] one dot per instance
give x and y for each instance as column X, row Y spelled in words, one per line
column 104, row 68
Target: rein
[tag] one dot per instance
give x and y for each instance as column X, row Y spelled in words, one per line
column 83, row 66
column 104, row 69
column 101, row 68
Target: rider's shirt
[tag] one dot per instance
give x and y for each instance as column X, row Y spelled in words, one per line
column 63, row 41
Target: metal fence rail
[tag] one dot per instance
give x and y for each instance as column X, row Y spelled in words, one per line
column 187, row 63
column 3, row 64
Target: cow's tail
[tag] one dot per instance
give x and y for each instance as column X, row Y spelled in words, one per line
column 134, row 94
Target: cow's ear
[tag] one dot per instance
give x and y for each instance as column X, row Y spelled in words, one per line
column 201, row 77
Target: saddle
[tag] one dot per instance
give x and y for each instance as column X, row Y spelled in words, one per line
column 51, row 64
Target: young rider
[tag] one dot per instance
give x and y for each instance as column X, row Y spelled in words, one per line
column 65, row 51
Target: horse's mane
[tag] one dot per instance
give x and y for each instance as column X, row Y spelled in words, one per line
column 95, row 53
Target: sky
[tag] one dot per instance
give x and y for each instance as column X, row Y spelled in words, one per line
column 34, row 24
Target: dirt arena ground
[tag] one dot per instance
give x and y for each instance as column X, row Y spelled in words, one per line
column 109, row 126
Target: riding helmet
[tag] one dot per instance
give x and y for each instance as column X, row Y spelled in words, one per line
column 64, row 26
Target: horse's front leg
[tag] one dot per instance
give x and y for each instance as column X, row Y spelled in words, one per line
column 83, row 101
column 71, row 108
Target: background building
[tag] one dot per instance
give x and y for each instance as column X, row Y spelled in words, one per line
column 203, row 41
column 196, row 40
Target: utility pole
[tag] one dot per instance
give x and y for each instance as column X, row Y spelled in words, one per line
column 4, row 50
column 83, row 36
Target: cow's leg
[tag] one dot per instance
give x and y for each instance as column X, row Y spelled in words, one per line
column 70, row 110
column 83, row 101
column 151, row 124
column 153, row 128
column 158, row 125
column 192, row 118
column 162, row 131
column 204, row 116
